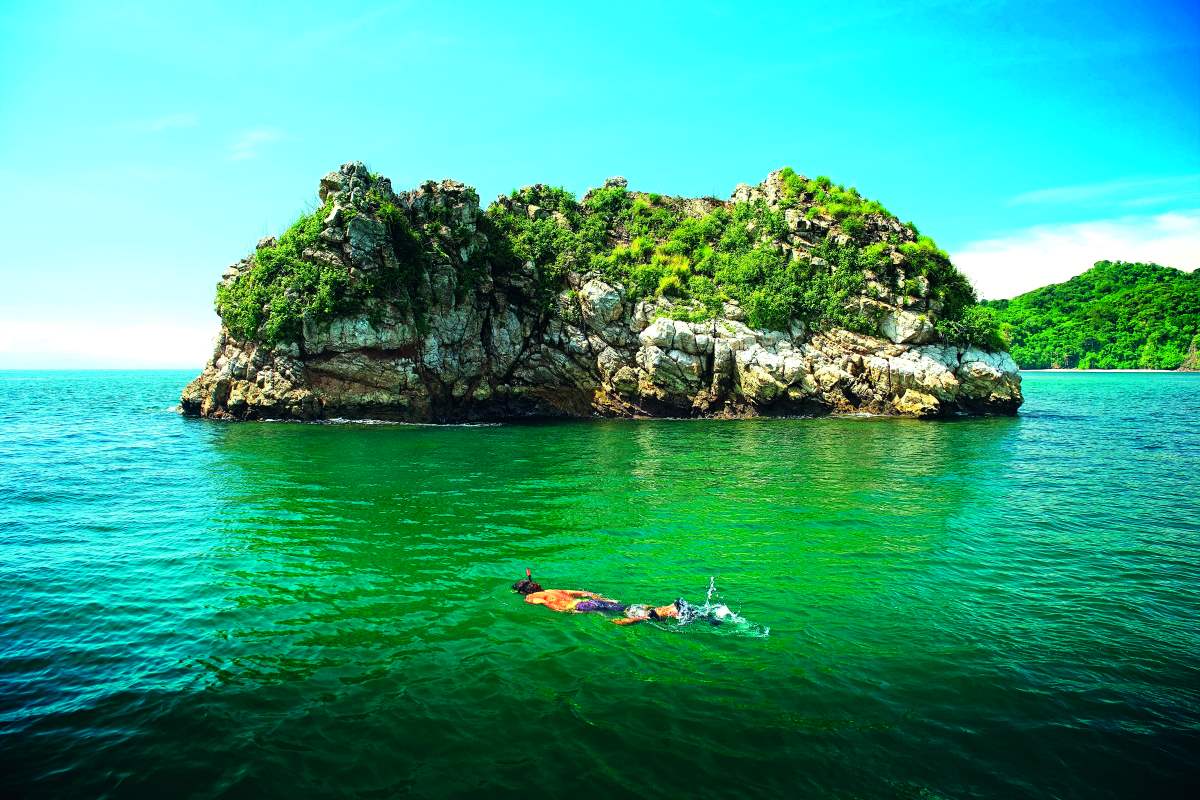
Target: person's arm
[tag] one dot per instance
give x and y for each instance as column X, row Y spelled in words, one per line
column 628, row 620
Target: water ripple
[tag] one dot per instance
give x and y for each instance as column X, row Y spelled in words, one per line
column 977, row 608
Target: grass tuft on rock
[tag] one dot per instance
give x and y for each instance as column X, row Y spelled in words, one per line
column 818, row 253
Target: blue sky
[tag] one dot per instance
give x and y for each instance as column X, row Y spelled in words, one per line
column 143, row 147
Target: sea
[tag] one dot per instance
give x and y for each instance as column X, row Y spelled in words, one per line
column 1003, row 607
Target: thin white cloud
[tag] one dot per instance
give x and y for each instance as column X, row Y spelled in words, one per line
column 1044, row 254
column 72, row 344
column 248, row 143
column 1120, row 192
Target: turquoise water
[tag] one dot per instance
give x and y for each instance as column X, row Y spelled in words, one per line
column 978, row 608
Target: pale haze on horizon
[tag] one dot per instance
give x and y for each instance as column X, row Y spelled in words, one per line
column 144, row 150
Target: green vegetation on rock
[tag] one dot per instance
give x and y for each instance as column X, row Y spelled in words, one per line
column 269, row 300
column 791, row 249
column 701, row 253
column 299, row 277
column 1116, row 315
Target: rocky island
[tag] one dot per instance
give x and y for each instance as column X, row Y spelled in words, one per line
column 794, row 296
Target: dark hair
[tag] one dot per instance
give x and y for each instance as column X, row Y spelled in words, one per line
column 526, row 586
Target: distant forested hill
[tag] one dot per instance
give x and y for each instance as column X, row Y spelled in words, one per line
column 1117, row 315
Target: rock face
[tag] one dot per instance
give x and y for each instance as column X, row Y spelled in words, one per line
column 489, row 348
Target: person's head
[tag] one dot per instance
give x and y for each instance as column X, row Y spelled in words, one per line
column 526, row 585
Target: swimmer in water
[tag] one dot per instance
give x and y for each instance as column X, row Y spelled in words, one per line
column 572, row 600
column 576, row 601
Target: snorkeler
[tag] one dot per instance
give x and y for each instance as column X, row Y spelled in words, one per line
column 572, row 600
column 577, row 601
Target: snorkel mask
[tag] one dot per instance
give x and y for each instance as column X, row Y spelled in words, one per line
column 526, row 585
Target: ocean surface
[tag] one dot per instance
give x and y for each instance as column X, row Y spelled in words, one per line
column 977, row 608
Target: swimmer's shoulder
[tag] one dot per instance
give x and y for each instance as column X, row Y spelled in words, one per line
column 537, row 598
column 555, row 596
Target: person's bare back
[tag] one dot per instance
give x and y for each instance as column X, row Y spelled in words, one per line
column 578, row 601
column 562, row 599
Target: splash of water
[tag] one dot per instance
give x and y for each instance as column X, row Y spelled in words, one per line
column 716, row 613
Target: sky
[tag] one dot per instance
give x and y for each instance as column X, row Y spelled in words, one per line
column 145, row 146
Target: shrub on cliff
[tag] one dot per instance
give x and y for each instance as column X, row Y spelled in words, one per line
column 699, row 253
column 923, row 258
column 283, row 286
column 976, row 325
column 269, row 300
column 654, row 247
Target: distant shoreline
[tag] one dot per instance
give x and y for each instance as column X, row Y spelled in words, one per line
column 1072, row 369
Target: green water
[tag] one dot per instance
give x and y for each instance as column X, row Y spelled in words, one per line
column 977, row 608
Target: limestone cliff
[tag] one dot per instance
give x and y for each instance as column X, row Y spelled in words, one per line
column 419, row 306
